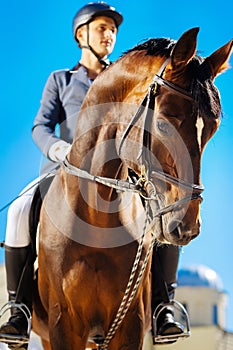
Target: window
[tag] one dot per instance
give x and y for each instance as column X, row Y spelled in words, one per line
column 215, row 314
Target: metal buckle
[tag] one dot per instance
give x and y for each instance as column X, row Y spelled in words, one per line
column 171, row 338
column 16, row 339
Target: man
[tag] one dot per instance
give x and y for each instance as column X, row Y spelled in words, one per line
column 95, row 28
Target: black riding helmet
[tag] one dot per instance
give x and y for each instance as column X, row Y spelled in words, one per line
column 94, row 9
column 87, row 14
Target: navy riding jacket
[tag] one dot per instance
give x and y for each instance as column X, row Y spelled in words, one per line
column 61, row 100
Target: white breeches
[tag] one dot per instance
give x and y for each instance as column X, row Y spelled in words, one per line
column 17, row 228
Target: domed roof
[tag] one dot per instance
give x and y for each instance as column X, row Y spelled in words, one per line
column 199, row 276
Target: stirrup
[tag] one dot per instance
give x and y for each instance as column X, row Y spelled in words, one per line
column 16, row 339
column 171, row 338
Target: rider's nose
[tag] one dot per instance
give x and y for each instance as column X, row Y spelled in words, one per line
column 108, row 33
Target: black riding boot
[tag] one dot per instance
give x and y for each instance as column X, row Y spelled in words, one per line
column 164, row 281
column 19, row 272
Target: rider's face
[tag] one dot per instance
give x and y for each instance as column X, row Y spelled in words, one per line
column 102, row 35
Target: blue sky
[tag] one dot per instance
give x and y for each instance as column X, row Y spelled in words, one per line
column 36, row 38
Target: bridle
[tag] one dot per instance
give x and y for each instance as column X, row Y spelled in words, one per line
column 158, row 80
column 144, row 182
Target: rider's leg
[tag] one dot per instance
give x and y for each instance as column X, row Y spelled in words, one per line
column 19, row 271
column 19, row 265
column 164, row 270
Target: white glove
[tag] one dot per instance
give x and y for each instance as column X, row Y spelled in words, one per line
column 59, row 150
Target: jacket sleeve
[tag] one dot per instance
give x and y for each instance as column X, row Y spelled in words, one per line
column 48, row 116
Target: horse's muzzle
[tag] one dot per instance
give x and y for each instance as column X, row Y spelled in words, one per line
column 179, row 233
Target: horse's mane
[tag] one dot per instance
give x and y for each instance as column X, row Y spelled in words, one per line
column 202, row 88
column 155, row 47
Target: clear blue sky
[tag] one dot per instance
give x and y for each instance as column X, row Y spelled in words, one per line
column 36, row 38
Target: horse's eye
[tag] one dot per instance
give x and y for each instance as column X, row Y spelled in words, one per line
column 164, row 127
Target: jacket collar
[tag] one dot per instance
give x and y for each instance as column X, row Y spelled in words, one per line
column 81, row 73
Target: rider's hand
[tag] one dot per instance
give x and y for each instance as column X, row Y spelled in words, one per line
column 58, row 151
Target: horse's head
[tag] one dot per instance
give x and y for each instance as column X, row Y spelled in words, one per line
column 152, row 111
column 181, row 113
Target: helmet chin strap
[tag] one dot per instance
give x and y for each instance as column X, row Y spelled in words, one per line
column 105, row 62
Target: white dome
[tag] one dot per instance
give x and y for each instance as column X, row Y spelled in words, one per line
column 199, row 276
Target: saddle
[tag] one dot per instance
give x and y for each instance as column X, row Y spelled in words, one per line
column 34, row 215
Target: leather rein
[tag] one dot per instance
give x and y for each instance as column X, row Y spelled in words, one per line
column 144, row 186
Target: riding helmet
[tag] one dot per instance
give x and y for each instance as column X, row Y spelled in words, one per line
column 94, row 9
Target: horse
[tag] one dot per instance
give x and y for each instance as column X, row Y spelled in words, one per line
column 132, row 178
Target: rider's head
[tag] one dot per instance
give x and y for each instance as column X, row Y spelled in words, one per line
column 95, row 26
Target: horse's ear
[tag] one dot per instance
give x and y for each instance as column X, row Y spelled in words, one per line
column 218, row 61
column 184, row 49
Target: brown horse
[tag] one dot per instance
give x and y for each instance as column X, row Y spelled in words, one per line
column 132, row 177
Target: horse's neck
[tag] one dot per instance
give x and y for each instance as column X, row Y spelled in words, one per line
column 106, row 111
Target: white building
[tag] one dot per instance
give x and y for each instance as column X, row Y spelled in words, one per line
column 200, row 290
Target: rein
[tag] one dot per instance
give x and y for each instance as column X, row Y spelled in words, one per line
column 131, row 289
column 140, row 187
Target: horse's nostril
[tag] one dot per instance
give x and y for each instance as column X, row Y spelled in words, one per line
column 176, row 233
column 181, row 234
column 174, row 228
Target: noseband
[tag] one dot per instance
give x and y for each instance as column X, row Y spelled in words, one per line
column 144, row 182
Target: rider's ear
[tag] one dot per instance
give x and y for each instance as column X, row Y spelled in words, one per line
column 218, row 61
column 184, row 49
column 81, row 36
